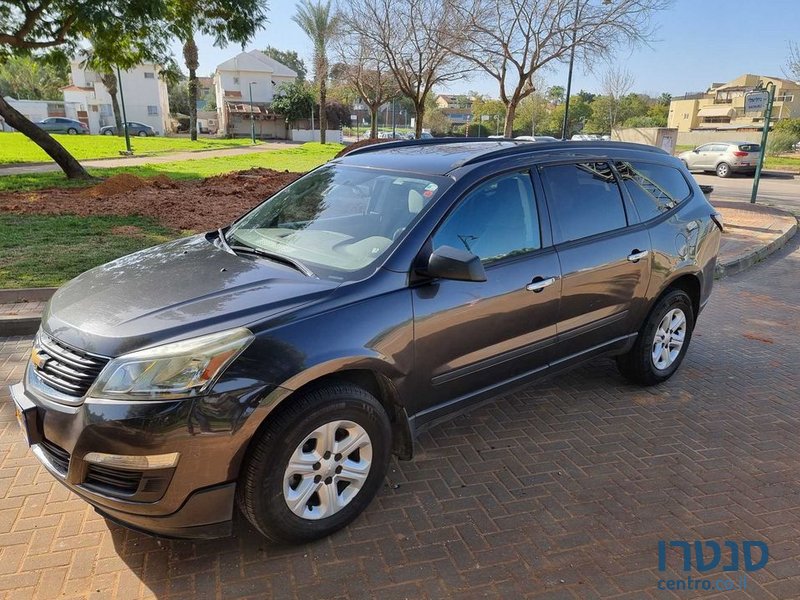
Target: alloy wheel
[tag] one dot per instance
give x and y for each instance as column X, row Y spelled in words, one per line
column 668, row 339
column 327, row 469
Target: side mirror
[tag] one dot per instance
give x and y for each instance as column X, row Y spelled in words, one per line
column 696, row 150
column 447, row 262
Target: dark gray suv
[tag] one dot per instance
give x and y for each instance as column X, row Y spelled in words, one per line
column 277, row 363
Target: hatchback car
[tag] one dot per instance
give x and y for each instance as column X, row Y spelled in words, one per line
column 62, row 125
column 724, row 158
column 278, row 362
column 134, row 128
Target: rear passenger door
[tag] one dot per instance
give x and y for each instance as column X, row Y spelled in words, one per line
column 605, row 264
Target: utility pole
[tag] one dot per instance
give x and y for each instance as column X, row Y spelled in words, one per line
column 770, row 88
column 124, row 116
column 394, row 121
column 252, row 117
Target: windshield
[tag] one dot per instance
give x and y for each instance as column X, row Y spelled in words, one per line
column 337, row 220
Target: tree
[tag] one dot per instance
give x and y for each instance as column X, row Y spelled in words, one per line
column 226, row 21
column 793, row 62
column 363, row 69
column 532, row 115
column 321, row 23
column 178, row 96
column 110, row 81
column 556, row 94
column 23, row 77
column 579, row 114
column 493, row 110
column 294, row 101
column 291, row 59
column 122, row 31
column 511, row 40
column 615, row 83
column 411, row 40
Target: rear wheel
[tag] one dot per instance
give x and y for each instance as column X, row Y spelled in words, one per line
column 108, row 132
column 662, row 341
column 142, row 133
column 317, row 465
column 723, row 170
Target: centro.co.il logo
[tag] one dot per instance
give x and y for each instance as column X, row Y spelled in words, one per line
column 736, row 558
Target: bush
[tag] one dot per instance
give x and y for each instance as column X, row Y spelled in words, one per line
column 781, row 142
column 788, row 126
column 475, row 130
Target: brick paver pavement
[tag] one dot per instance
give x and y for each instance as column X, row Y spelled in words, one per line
column 562, row 490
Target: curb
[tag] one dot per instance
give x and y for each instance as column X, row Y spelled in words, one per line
column 16, row 325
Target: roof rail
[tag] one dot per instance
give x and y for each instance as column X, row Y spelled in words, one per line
column 530, row 147
column 426, row 142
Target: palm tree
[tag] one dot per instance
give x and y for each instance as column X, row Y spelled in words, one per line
column 321, row 24
column 191, row 59
column 110, row 81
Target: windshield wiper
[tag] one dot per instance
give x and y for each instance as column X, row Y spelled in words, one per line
column 294, row 263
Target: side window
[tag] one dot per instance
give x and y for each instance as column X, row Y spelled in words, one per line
column 704, row 148
column 655, row 189
column 495, row 220
column 584, row 199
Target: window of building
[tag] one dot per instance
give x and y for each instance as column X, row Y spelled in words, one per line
column 496, row 220
column 654, row 189
column 152, row 110
column 584, row 200
column 149, row 75
column 235, row 81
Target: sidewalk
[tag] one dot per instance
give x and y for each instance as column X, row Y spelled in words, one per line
column 134, row 161
column 752, row 232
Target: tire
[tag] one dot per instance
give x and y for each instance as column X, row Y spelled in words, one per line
column 72, row 131
column 639, row 365
column 142, row 134
column 267, row 484
column 723, row 170
column 108, row 132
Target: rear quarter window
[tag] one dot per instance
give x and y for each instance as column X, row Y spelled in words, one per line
column 654, row 189
column 750, row 148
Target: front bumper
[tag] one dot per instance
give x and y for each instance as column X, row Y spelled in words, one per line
column 194, row 498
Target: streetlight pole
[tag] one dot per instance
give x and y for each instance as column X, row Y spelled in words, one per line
column 394, row 121
column 124, row 116
column 565, row 124
column 252, row 117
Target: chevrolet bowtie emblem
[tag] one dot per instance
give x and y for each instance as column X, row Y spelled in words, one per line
column 37, row 359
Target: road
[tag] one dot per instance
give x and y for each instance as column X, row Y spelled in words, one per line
column 561, row 490
column 780, row 191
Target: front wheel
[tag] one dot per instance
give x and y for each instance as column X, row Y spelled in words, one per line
column 662, row 341
column 142, row 134
column 108, row 132
column 316, row 465
column 723, row 170
column 72, row 131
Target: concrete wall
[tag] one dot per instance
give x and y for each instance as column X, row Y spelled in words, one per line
column 661, row 137
column 695, row 138
column 306, row 135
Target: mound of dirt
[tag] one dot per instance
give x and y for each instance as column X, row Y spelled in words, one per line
column 186, row 205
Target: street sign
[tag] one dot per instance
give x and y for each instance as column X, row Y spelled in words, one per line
column 756, row 102
column 354, row 117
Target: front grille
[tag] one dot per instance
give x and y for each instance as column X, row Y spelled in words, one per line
column 58, row 457
column 64, row 368
column 111, row 479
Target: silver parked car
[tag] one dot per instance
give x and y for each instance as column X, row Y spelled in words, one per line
column 62, row 125
column 724, row 158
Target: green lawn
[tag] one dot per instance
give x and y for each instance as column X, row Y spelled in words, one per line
column 16, row 148
column 294, row 158
column 39, row 251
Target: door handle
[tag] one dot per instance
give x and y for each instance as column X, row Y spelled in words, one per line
column 538, row 286
column 636, row 255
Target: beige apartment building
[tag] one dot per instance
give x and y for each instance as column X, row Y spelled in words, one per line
column 721, row 108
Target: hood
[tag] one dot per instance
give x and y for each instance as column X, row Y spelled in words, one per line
column 181, row 289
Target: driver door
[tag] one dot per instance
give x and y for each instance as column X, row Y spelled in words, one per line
column 472, row 336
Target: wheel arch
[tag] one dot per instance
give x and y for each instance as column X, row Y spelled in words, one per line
column 689, row 282
column 374, row 380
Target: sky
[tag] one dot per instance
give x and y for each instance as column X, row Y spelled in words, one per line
column 698, row 42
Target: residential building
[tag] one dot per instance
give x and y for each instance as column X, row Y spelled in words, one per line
column 235, row 80
column 205, row 86
column 457, row 108
column 36, row 110
column 721, row 107
column 145, row 92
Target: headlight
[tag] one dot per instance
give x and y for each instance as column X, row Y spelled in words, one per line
column 176, row 370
